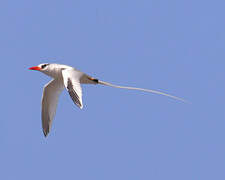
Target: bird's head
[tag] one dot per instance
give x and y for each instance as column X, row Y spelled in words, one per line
column 52, row 70
column 40, row 67
column 48, row 69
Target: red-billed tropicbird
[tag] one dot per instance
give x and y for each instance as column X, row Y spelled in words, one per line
column 70, row 78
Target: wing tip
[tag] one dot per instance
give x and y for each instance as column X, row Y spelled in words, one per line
column 45, row 132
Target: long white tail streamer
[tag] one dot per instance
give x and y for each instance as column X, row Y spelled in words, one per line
column 141, row 89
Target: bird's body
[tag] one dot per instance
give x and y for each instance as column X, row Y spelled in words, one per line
column 70, row 78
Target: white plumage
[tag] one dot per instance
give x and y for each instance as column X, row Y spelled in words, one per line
column 68, row 77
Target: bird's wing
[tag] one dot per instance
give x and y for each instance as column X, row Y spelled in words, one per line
column 71, row 80
column 50, row 96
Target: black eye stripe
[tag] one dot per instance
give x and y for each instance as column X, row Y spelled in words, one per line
column 43, row 66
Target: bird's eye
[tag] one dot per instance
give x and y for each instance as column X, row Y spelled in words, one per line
column 43, row 66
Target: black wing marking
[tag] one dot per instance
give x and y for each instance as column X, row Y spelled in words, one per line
column 73, row 93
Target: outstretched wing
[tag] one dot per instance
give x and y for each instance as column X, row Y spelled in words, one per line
column 50, row 97
column 71, row 79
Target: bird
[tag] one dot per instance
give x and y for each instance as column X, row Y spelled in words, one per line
column 64, row 76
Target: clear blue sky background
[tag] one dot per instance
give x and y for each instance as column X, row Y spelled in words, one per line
column 175, row 46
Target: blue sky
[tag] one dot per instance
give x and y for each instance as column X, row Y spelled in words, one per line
column 173, row 46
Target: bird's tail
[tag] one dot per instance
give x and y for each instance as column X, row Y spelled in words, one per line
column 141, row 89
